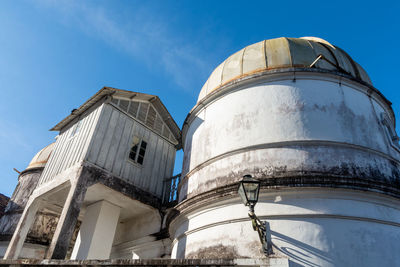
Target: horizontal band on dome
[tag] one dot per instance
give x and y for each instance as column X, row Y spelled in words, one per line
column 287, row 144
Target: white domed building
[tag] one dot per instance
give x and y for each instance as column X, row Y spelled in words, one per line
column 297, row 114
column 303, row 117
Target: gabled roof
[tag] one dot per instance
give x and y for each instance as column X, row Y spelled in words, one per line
column 109, row 91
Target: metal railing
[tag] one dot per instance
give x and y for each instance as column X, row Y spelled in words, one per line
column 170, row 197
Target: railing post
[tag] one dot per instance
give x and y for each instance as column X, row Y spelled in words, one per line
column 171, row 189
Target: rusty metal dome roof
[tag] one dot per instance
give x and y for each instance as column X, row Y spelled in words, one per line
column 41, row 158
column 283, row 53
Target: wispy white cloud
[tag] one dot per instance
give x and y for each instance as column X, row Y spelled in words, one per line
column 141, row 35
column 12, row 137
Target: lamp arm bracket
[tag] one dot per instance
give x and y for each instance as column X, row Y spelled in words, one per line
column 260, row 228
column 257, row 223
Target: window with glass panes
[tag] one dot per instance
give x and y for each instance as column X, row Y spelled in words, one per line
column 138, row 150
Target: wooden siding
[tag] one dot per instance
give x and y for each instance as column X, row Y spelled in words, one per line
column 110, row 147
column 145, row 113
column 69, row 150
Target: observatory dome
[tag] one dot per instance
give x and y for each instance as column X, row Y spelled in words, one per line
column 40, row 159
column 303, row 118
column 274, row 55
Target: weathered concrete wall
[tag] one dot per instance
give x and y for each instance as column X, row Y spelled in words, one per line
column 41, row 232
column 306, row 132
column 284, row 127
column 97, row 185
column 43, row 228
column 27, row 182
column 137, row 237
column 138, row 227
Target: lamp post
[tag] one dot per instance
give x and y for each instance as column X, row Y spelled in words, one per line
column 249, row 189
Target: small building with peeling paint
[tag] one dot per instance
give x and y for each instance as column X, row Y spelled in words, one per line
column 298, row 114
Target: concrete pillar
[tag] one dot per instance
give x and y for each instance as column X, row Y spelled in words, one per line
column 97, row 232
column 20, row 233
column 66, row 224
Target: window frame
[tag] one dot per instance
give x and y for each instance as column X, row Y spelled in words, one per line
column 139, row 148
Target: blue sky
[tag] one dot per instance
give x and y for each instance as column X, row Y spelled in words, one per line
column 54, row 55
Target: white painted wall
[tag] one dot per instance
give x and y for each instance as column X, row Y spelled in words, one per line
column 273, row 127
column 286, row 123
column 284, row 111
column 135, row 238
column 313, row 227
column 97, row 232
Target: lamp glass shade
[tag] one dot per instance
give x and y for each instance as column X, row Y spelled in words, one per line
column 249, row 189
column 242, row 194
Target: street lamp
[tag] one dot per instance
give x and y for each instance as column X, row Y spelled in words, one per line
column 249, row 189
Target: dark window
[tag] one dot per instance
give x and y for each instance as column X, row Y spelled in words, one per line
column 133, row 152
column 142, row 151
column 138, row 150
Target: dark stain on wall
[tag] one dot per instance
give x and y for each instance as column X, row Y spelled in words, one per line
column 214, row 252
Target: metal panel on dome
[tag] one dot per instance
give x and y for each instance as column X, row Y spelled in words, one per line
column 363, row 74
column 344, row 61
column 355, row 66
column 282, row 53
column 339, row 59
column 203, row 91
column 301, row 52
column 254, row 58
column 232, row 67
column 322, row 50
column 278, row 53
column 215, row 79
